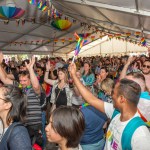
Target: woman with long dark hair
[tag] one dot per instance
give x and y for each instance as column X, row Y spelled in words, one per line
column 14, row 135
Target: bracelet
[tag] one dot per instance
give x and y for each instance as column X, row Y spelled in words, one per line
column 47, row 71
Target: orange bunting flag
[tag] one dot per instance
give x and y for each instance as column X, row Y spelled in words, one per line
column 128, row 34
column 55, row 40
column 92, row 38
column 63, row 40
column 137, row 34
column 70, row 39
column 118, row 36
column 110, row 36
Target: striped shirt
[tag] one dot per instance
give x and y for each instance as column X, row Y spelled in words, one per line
column 34, row 113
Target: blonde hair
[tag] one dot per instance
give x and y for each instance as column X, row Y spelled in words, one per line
column 107, row 85
column 65, row 71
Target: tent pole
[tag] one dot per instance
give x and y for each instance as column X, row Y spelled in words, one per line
column 100, row 49
column 126, row 47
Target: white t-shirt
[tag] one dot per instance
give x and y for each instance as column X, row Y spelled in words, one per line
column 78, row 100
column 140, row 139
column 1, row 130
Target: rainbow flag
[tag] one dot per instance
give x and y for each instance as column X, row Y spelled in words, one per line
column 39, row 4
column 44, row 6
column 80, row 43
column 33, row 2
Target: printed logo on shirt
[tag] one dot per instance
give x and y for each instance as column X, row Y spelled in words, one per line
column 113, row 143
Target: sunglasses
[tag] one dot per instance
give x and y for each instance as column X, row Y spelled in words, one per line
column 145, row 66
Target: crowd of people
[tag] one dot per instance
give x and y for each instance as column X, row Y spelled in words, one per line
column 94, row 103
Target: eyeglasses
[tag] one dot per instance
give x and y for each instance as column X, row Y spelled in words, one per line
column 146, row 66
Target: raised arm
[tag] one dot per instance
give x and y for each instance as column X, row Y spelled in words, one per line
column 125, row 68
column 86, row 94
column 46, row 79
column 33, row 77
column 3, row 75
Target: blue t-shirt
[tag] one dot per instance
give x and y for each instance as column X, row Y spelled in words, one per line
column 94, row 122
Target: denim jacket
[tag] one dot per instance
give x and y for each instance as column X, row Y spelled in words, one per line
column 69, row 94
column 16, row 137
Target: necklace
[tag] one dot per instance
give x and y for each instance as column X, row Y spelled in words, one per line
column 84, row 105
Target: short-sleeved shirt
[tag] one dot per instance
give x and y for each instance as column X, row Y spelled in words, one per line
column 140, row 138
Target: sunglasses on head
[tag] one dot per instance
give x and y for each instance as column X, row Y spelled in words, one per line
column 145, row 66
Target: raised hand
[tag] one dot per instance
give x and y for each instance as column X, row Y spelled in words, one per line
column 48, row 66
column 72, row 69
column 31, row 63
column 130, row 60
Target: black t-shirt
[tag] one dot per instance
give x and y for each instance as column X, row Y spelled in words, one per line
column 62, row 97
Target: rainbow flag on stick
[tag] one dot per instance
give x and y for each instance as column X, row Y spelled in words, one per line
column 80, row 43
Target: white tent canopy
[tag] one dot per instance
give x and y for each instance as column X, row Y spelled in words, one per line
column 105, row 46
column 110, row 16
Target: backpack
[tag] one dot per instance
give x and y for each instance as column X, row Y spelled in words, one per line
column 130, row 128
column 43, row 99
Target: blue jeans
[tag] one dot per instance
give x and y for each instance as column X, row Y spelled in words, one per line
column 96, row 146
column 43, row 129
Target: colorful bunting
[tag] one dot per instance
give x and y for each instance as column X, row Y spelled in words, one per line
column 40, row 4
column 63, row 41
column 84, row 35
column 70, row 40
column 92, row 38
column 128, row 35
column 118, row 36
column 55, row 40
column 137, row 34
column 110, row 36
column 143, row 41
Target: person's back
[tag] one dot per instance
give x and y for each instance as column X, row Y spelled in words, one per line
column 18, row 134
column 93, row 137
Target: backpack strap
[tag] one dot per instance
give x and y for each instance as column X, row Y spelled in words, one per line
column 116, row 112
column 128, row 132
